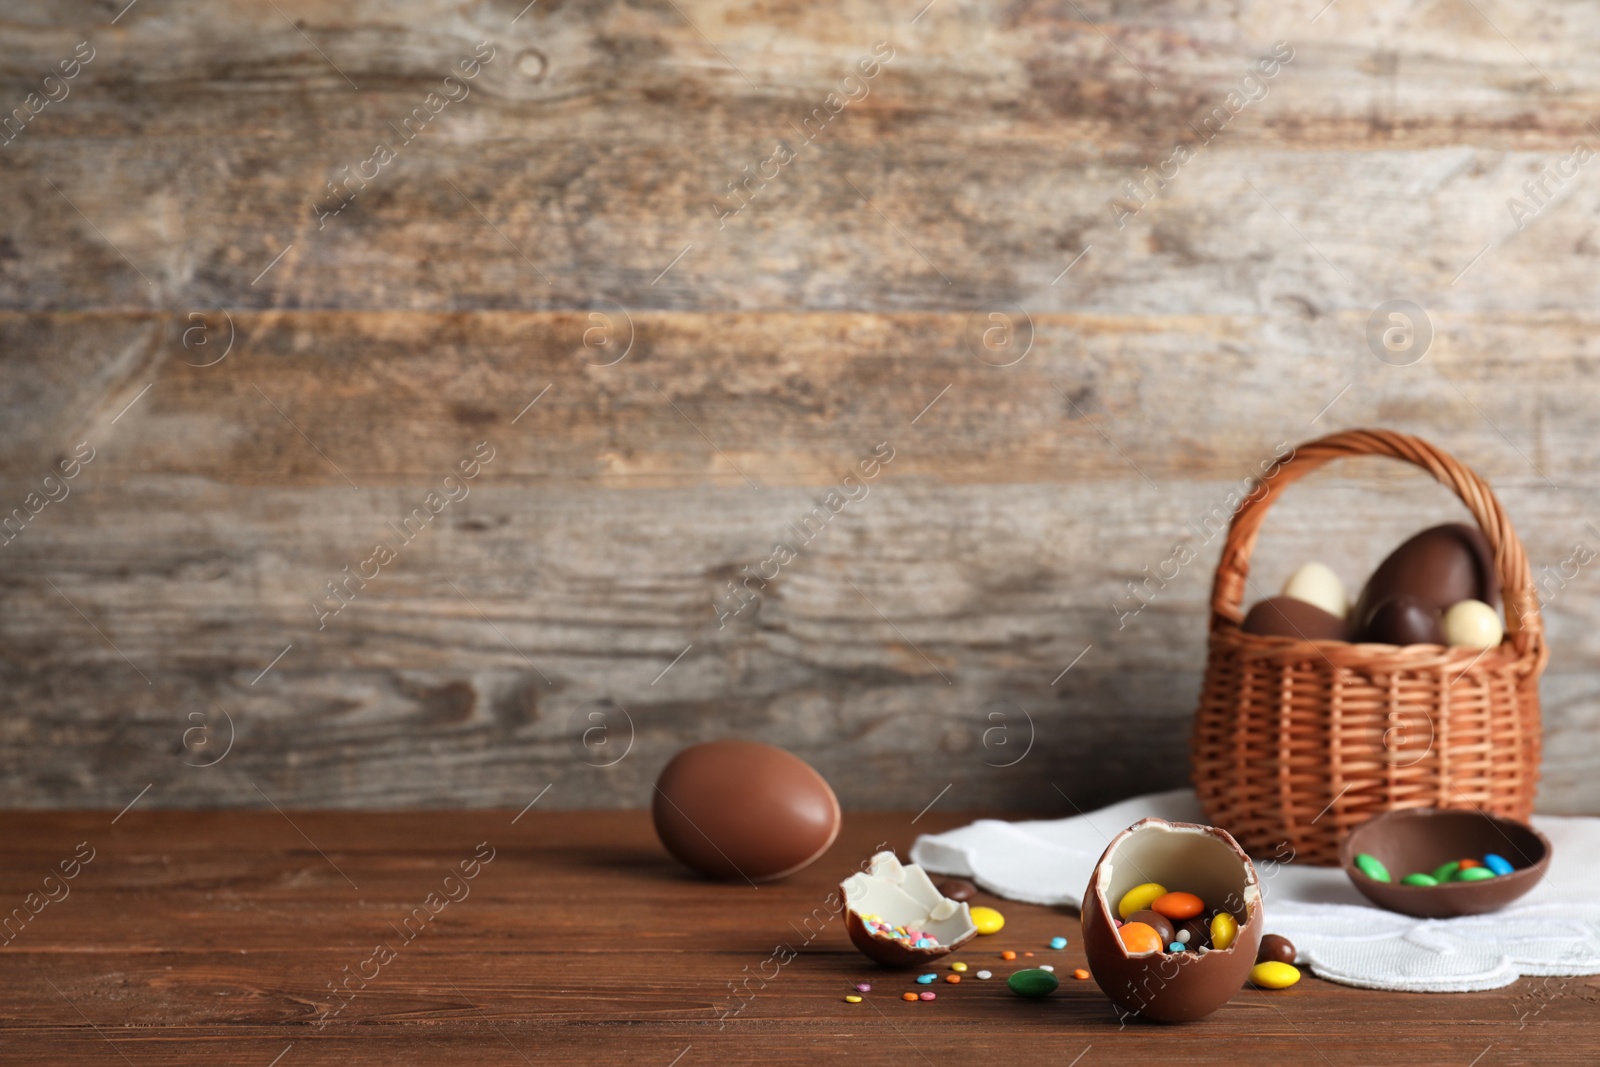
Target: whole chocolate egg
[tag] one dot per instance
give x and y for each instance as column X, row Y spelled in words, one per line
column 1439, row 567
column 743, row 810
column 1172, row 986
column 1403, row 620
column 1287, row 616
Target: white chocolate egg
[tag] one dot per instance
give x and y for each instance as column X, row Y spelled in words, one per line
column 1472, row 624
column 1315, row 583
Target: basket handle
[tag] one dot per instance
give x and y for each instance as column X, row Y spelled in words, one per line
column 1523, row 625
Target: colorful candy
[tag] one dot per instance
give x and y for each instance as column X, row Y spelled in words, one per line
column 987, row 920
column 1139, row 898
column 1058, row 942
column 1008, row 955
column 958, row 967
column 1224, row 928
column 1157, row 922
column 1275, row 948
column 953, row 979
column 1274, row 975
column 863, row 987
column 1138, row 938
column 908, row 996
column 1081, row 975
column 1033, row 982
column 910, row 938
column 1368, row 865
column 852, row 999
column 1178, row 906
column 931, row 995
column 1464, row 870
column 926, row 979
column 985, row 975
column 1046, row 967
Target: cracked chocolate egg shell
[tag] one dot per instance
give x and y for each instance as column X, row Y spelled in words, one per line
column 901, row 894
column 1172, row 986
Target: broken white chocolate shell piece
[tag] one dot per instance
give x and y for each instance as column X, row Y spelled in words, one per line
column 902, row 896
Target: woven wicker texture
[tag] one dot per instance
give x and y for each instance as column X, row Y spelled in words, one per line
column 1297, row 742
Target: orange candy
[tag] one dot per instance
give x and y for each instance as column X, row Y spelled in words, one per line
column 1467, row 865
column 1080, row 974
column 1139, row 937
column 1008, row 955
column 908, row 996
column 953, row 979
column 1178, row 906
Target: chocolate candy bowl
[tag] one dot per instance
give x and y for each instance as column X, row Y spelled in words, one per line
column 1422, row 839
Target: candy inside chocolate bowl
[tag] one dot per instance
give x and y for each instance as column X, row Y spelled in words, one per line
column 1184, row 858
column 896, row 916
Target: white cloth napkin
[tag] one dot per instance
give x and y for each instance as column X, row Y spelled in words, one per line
column 1554, row 930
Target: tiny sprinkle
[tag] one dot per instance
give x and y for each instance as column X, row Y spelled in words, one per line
column 985, row 975
column 1008, row 955
column 1080, row 974
column 1058, row 942
column 1027, row 953
column 908, row 996
column 959, row 968
column 926, row 979
column 863, row 987
column 953, row 979
column 1046, row 967
column 852, row 999
column 928, row 995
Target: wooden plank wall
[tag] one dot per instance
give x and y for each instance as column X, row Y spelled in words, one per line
column 729, row 252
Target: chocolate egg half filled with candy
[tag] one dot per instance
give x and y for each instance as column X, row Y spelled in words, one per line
column 1172, row 986
column 743, row 810
column 896, row 916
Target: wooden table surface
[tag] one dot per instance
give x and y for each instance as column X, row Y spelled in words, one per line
column 213, row 938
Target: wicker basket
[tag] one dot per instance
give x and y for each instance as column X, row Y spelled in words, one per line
column 1298, row 742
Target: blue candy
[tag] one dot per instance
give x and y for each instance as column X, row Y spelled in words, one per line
column 923, row 942
column 1176, row 946
column 1498, row 864
column 926, row 979
column 1058, row 942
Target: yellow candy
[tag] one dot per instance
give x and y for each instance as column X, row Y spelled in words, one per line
column 959, row 968
column 1274, row 975
column 852, row 999
column 987, row 920
column 1139, row 898
column 1224, row 928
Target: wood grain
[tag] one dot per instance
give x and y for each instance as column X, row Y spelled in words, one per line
column 567, row 212
column 194, row 937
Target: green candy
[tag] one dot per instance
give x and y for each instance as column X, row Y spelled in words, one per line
column 1420, row 879
column 1446, row 871
column 1370, row 867
column 1033, row 982
column 1473, row 874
